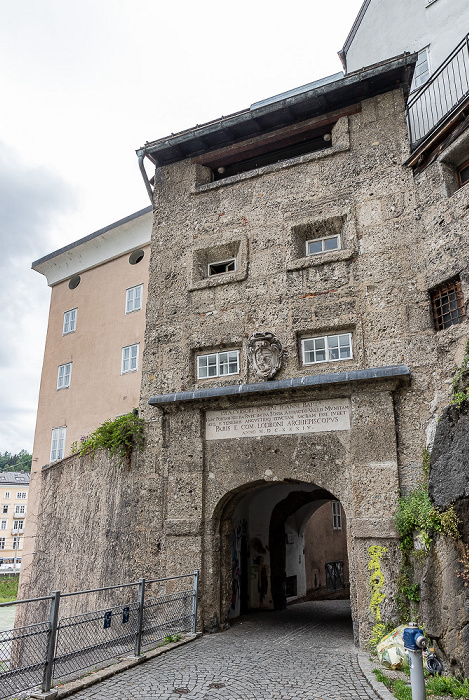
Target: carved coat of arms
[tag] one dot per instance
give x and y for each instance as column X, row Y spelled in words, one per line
column 265, row 354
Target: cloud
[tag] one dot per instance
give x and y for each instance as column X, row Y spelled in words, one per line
column 33, row 200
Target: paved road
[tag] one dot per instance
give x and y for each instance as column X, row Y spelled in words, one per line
column 303, row 653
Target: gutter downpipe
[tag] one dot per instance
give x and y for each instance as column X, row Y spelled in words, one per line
column 141, row 156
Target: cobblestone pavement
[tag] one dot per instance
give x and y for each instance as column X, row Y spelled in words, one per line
column 303, row 653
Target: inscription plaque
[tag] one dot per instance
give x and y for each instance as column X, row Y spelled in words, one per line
column 282, row 419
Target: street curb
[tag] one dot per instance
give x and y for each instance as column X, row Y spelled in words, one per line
column 379, row 688
column 72, row 687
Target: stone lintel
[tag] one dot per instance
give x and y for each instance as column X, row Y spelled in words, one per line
column 400, row 372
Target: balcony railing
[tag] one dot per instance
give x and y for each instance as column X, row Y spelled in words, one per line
column 440, row 96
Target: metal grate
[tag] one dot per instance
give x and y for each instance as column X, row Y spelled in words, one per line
column 447, row 304
column 22, row 658
column 87, row 640
column 441, row 95
column 335, row 575
column 167, row 616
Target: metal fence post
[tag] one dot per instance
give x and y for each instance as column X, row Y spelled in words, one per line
column 141, row 601
column 194, row 601
column 52, row 638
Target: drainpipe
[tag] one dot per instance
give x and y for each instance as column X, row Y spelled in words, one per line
column 141, row 155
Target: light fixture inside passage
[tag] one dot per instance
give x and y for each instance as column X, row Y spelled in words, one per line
column 136, row 256
column 74, row 282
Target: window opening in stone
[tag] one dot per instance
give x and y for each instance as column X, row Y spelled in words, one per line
column 327, row 348
column 322, row 245
column 447, row 304
column 136, row 256
column 274, row 156
column 218, row 364
column 463, row 173
column 218, row 268
column 74, row 282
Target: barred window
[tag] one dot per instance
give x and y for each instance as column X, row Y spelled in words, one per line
column 447, row 304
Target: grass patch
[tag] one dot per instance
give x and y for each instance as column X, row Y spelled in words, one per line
column 169, row 639
column 435, row 685
column 8, row 588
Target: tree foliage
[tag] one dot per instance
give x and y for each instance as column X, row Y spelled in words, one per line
column 20, row 462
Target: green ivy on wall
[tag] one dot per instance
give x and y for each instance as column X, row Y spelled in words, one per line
column 119, row 437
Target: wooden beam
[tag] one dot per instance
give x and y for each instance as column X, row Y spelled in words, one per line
column 275, row 139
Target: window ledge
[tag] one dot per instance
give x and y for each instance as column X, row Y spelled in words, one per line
column 274, row 167
column 321, row 259
column 225, row 278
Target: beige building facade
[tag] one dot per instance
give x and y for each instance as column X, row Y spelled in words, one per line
column 14, row 497
column 92, row 360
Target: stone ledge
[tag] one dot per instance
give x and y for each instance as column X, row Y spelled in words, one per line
column 87, row 681
column 321, row 259
column 318, row 380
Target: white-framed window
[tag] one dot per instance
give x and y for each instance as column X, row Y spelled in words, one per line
column 130, row 358
column 21, row 494
column 219, row 268
column 3, row 524
column 133, row 298
column 63, row 377
column 327, row 348
column 18, row 524
column 17, row 542
column 2, row 542
column 218, row 364
column 20, row 510
column 5, row 510
column 70, row 321
column 336, row 516
column 58, row 444
column 422, row 70
column 7, row 494
column 322, row 245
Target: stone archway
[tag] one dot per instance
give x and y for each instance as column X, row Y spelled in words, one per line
column 252, row 555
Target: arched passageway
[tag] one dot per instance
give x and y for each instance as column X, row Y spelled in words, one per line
column 277, row 542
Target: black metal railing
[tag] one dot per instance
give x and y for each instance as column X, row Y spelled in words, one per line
column 58, row 648
column 440, row 96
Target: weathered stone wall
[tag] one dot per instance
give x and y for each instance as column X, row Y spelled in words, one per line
column 100, row 525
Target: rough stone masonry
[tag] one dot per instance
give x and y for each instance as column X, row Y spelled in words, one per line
column 204, row 499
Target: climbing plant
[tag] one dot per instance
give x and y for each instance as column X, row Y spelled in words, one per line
column 460, row 383
column 119, row 437
column 376, row 581
column 417, row 521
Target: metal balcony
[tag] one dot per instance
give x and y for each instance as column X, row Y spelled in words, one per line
column 441, row 95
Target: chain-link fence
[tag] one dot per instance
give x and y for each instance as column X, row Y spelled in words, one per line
column 35, row 655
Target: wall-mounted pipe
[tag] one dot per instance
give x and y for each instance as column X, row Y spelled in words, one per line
column 141, row 156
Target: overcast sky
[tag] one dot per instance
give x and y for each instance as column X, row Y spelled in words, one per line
column 83, row 85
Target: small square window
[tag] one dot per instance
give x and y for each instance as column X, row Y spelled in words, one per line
column 70, row 321
column 58, row 444
column 336, row 516
column 130, row 358
column 63, row 379
column 21, row 494
column 447, row 305
column 327, row 348
column 218, row 364
column 4, row 510
column 19, row 510
column 219, row 268
column 322, row 245
column 133, row 299
column 463, row 173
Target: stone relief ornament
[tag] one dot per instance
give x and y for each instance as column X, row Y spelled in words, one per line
column 265, row 354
